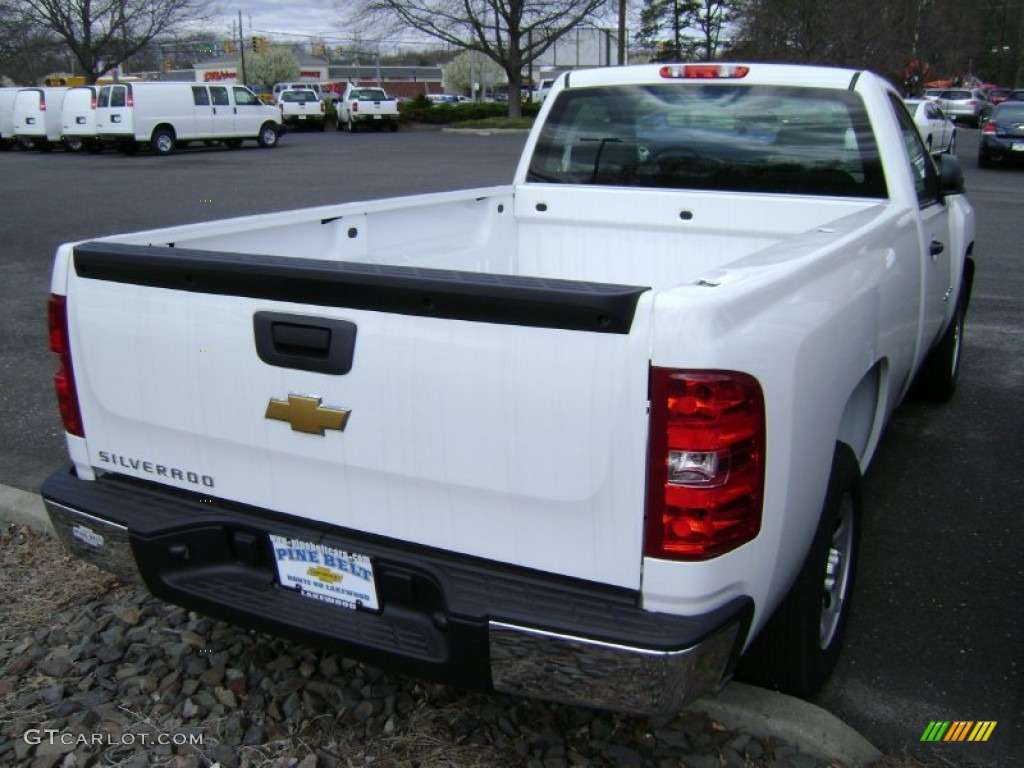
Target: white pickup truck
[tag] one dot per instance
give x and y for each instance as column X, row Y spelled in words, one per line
column 595, row 436
column 364, row 106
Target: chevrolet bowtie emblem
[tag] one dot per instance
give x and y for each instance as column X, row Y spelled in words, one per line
column 305, row 414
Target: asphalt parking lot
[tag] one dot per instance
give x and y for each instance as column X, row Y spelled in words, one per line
column 937, row 631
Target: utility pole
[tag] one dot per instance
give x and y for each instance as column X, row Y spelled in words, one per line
column 241, row 48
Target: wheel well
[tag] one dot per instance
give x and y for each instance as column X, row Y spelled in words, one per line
column 163, row 126
column 861, row 424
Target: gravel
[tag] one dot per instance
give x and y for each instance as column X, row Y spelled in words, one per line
column 94, row 672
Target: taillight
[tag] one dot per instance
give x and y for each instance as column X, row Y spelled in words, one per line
column 988, row 127
column 130, row 99
column 355, row 106
column 705, row 472
column 64, row 379
column 704, row 71
column 42, row 101
column 92, row 102
column 323, row 107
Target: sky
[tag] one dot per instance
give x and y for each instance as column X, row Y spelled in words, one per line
column 282, row 20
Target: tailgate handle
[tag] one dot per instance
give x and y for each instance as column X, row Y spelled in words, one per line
column 304, row 343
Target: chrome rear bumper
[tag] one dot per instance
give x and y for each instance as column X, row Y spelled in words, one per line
column 577, row 670
column 100, row 542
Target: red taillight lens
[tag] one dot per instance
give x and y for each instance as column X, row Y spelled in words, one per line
column 704, row 71
column 705, row 481
column 988, row 127
column 64, row 379
column 355, row 106
column 42, row 101
column 130, row 101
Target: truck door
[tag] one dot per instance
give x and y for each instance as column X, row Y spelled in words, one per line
column 223, row 120
column 202, row 111
column 936, row 256
column 120, row 114
column 248, row 111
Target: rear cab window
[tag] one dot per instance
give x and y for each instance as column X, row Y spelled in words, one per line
column 736, row 138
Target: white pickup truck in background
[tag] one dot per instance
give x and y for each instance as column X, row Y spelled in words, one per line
column 365, row 106
column 302, row 107
column 595, row 436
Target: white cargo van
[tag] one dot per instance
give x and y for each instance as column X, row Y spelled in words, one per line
column 37, row 116
column 7, row 117
column 78, row 118
column 165, row 115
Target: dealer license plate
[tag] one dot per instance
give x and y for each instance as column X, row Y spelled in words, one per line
column 324, row 573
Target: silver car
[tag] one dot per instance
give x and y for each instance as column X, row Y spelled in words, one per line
column 967, row 105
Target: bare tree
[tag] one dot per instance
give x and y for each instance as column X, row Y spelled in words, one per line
column 102, row 34
column 513, row 33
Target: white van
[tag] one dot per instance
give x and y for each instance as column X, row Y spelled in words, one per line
column 164, row 115
column 7, row 117
column 78, row 118
column 37, row 116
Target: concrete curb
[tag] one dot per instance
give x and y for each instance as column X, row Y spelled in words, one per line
column 763, row 713
column 754, row 711
column 23, row 508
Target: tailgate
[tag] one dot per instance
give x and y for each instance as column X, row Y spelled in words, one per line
column 496, row 416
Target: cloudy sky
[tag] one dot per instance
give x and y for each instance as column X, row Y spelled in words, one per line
column 282, row 19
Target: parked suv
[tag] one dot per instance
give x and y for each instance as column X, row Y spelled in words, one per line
column 969, row 105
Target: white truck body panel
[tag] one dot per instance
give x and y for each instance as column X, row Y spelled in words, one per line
column 78, row 113
column 7, row 97
column 37, row 113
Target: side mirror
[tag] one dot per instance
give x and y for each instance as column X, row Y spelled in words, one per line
column 951, row 175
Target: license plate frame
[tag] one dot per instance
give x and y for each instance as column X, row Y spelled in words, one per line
column 326, row 574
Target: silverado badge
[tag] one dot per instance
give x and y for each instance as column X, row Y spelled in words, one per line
column 306, row 414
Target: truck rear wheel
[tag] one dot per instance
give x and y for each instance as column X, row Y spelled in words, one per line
column 162, row 141
column 799, row 646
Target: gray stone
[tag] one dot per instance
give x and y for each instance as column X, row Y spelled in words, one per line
column 226, row 697
column 53, row 694
column 55, row 667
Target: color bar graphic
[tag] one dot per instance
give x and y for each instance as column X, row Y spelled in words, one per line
column 958, row 730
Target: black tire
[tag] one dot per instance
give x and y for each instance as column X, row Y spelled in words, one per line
column 984, row 161
column 937, row 379
column 799, row 646
column 351, row 125
column 74, row 145
column 162, row 141
column 268, row 136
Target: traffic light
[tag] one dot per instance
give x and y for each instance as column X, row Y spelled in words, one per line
column 229, row 47
column 318, row 49
column 168, row 65
column 259, row 43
